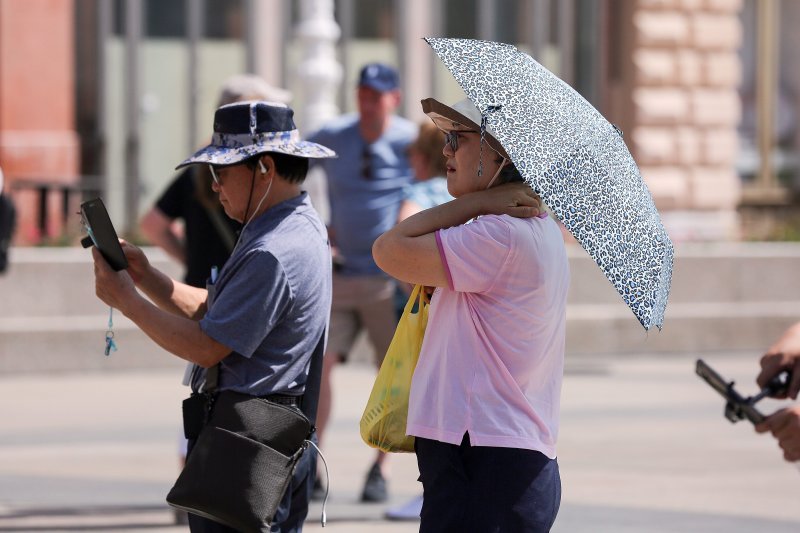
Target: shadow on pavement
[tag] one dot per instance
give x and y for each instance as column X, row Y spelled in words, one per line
column 87, row 518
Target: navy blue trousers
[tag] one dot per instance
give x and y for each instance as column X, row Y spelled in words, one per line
column 486, row 489
column 293, row 508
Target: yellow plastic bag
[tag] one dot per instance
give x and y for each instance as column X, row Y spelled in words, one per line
column 383, row 424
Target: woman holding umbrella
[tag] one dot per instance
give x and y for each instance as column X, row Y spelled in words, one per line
column 484, row 402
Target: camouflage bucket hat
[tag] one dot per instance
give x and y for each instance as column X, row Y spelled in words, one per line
column 246, row 129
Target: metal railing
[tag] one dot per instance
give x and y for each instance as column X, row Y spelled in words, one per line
column 68, row 193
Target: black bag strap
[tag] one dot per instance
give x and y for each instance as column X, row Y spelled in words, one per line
column 212, row 379
column 310, row 399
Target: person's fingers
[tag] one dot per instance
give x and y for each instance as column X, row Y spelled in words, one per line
column 523, row 211
column 770, row 422
column 779, row 421
column 770, row 367
column 791, row 447
column 763, row 427
column 525, row 200
column 100, row 264
column 785, row 426
column 534, row 199
column 101, row 269
column 130, row 251
column 791, row 455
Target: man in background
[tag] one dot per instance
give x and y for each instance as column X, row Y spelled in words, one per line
column 365, row 189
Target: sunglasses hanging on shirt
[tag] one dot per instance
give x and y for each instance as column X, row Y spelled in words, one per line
column 366, row 163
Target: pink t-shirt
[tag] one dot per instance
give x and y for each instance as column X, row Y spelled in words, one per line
column 493, row 355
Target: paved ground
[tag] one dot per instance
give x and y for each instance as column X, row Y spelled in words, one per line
column 643, row 448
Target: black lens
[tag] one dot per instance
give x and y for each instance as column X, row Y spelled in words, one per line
column 366, row 164
column 452, row 139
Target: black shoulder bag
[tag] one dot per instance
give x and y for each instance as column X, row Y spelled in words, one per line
column 245, row 454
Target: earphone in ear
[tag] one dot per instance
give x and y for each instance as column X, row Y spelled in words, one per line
column 262, row 167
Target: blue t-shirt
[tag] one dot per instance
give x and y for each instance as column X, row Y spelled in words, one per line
column 272, row 301
column 428, row 193
column 365, row 186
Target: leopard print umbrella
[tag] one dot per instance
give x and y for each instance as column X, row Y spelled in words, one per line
column 576, row 161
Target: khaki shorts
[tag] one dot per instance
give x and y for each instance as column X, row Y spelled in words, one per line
column 362, row 302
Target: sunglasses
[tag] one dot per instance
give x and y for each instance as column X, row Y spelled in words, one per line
column 451, row 138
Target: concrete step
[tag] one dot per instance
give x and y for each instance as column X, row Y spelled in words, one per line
column 725, row 297
column 60, row 344
column 59, row 281
column 52, row 282
column 51, row 320
column 718, row 272
column 689, row 328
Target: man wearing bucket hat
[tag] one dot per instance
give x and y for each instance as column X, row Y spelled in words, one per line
column 206, row 237
column 365, row 189
column 261, row 318
column 484, row 399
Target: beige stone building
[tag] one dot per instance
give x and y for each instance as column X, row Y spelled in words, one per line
column 678, row 95
column 706, row 91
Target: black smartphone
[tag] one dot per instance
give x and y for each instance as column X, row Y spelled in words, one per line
column 102, row 233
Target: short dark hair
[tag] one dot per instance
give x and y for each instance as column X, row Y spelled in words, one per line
column 509, row 174
column 290, row 167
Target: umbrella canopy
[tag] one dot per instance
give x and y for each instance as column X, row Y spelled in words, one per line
column 576, row 161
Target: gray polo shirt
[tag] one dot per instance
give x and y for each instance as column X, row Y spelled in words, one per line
column 271, row 301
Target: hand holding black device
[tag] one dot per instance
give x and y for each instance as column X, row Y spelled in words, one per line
column 102, row 233
column 737, row 407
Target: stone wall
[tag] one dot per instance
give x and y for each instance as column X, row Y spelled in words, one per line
column 685, row 110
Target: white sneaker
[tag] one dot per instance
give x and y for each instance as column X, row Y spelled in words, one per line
column 408, row 511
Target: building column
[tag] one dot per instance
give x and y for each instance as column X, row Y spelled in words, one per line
column 319, row 72
column 416, row 57
column 685, row 113
column 320, row 76
column 266, row 35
